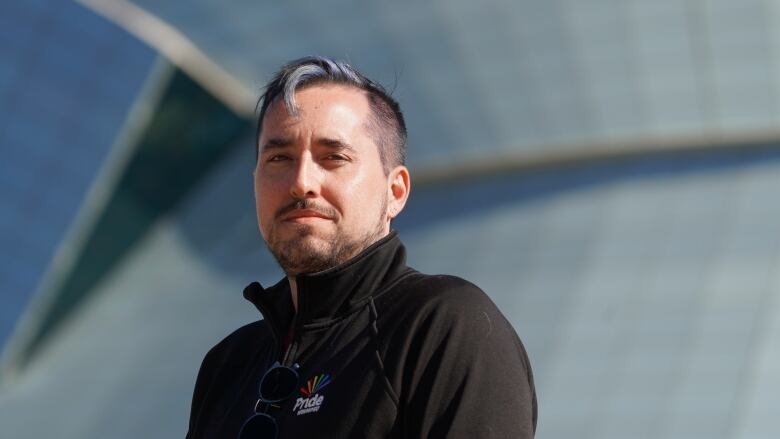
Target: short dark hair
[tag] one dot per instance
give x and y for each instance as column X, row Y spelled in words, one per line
column 386, row 124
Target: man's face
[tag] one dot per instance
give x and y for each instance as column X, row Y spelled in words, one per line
column 321, row 193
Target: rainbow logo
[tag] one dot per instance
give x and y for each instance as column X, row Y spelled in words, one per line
column 315, row 384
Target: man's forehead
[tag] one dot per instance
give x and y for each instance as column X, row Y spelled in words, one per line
column 320, row 95
column 278, row 120
column 334, row 111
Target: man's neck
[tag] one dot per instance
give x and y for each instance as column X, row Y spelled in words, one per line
column 294, row 285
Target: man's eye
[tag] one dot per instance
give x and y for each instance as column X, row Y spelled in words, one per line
column 277, row 158
column 337, row 157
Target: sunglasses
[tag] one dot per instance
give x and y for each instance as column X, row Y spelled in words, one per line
column 278, row 383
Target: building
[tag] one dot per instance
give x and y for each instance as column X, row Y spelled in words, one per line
column 605, row 170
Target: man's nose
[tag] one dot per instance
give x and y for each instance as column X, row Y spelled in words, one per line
column 306, row 179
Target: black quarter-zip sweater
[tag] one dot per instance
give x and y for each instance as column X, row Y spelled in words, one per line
column 384, row 352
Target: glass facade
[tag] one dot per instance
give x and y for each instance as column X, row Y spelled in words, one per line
column 645, row 291
column 67, row 81
column 549, row 77
column 645, row 286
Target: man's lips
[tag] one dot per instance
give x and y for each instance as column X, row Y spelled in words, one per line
column 304, row 215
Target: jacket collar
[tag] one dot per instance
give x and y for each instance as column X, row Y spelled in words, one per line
column 334, row 292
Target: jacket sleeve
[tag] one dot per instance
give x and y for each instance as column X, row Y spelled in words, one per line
column 202, row 383
column 211, row 363
column 467, row 373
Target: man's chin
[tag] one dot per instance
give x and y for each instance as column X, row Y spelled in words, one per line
column 294, row 263
column 307, row 237
column 310, row 249
column 291, row 231
column 303, row 254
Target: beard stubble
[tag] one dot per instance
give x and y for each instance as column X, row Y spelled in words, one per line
column 302, row 254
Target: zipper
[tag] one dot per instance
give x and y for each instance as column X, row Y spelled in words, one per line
column 294, row 330
column 292, row 348
column 289, row 354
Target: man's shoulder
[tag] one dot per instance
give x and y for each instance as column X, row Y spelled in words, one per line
column 440, row 289
column 235, row 343
column 434, row 313
column 423, row 294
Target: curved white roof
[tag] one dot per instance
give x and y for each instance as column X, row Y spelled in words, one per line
column 496, row 80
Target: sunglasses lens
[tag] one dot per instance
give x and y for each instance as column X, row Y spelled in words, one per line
column 259, row 426
column 278, row 384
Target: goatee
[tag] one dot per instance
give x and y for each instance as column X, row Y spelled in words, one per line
column 307, row 253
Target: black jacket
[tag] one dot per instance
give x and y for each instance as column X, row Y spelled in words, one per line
column 396, row 353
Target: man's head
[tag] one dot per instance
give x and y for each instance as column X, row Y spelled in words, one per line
column 329, row 176
column 386, row 123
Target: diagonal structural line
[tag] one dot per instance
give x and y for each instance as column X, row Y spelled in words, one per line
column 180, row 50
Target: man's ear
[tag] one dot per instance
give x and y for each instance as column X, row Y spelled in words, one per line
column 398, row 188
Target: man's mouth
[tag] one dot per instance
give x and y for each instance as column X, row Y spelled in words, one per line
column 305, row 216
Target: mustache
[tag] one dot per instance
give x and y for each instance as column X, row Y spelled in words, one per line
column 306, row 205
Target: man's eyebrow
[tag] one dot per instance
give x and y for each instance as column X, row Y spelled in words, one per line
column 335, row 144
column 276, row 143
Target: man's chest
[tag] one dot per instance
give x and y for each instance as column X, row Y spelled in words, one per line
column 342, row 389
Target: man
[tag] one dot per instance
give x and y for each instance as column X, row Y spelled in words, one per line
column 354, row 344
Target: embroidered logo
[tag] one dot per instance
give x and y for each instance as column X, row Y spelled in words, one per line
column 313, row 400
